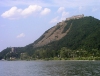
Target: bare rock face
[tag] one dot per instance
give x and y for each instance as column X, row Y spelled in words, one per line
column 55, row 33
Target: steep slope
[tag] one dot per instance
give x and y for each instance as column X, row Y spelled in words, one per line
column 75, row 33
column 84, row 34
column 57, row 32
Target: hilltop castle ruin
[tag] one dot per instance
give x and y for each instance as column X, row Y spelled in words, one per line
column 75, row 17
column 70, row 18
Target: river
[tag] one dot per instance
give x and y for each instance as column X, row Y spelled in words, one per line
column 49, row 68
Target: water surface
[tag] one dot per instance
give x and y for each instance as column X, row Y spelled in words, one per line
column 49, row 68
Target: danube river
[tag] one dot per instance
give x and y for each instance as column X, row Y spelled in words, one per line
column 49, row 68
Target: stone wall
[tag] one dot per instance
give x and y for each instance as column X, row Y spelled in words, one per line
column 75, row 17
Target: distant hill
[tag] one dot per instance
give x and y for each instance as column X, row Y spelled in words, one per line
column 57, row 32
column 74, row 33
column 83, row 34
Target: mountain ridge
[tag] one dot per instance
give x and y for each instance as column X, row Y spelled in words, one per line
column 77, row 34
column 56, row 32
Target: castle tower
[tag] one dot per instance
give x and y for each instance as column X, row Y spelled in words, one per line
column 12, row 49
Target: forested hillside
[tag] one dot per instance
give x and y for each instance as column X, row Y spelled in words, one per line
column 84, row 34
column 78, row 38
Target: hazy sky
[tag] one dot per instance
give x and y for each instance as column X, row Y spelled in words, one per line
column 23, row 21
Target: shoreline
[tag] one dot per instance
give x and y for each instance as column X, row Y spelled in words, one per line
column 49, row 60
column 56, row 59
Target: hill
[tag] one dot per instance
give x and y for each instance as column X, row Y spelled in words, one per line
column 76, row 36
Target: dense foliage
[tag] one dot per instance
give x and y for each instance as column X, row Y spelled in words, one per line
column 84, row 34
column 83, row 40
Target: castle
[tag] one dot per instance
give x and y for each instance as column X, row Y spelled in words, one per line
column 70, row 18
column 12, row 50
column 75, row 17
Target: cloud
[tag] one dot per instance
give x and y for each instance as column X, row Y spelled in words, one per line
column 21, row 35
column 13, row 13
column 31, row 9
column 55, row 20
column 61, row 9
column 16, row 13
column 45, row 11
column 61, row 17
column 64, row 15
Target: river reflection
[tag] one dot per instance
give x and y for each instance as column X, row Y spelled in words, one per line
column 49, row 68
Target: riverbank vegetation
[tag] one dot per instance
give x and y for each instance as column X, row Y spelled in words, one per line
column 82, row 42
column 62, row 54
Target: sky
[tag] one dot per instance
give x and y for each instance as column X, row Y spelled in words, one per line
column 24, row 21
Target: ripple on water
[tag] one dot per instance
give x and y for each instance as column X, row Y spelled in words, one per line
column 49, row 68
